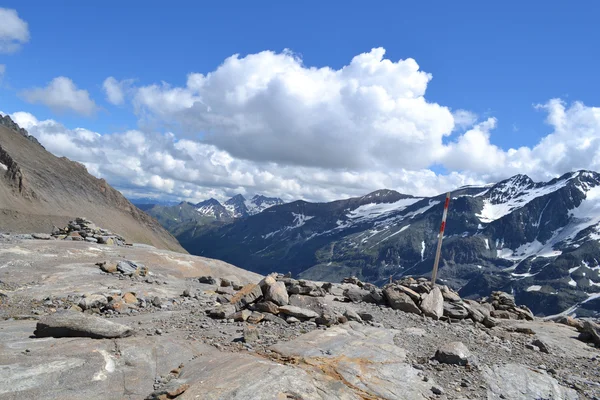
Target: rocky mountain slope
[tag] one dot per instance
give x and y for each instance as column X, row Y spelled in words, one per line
column 189, row 220
column 39, row 190
column 87, row 320
column 539, row 241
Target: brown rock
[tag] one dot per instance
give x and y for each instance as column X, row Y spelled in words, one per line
column 255, row 317
column 267, row 307
column 247, row 295
column 130, row 298
column 398, row 300
column 110, row 268
column 433, row 303
column 241, row 315
column 413, row 295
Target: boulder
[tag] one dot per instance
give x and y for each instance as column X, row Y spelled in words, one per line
column 241, row 315
column 227, row 290
column 41, row 236
column 275, row 319
column 266, row 282
column 130, row 298
column 326, row 319
column 246, row 295
column 453, row 353
column 110, row 268
column 127, row 267
column 298, row 312
column 399, row 300
column 433, row 303
column 572, row 322
column 232, row 281
column 255, row 317
column 251, row 334
column 315, row 304
column 277, row 294
column 209, row 280
column 454, row 310
column 522, row 313
column 365, row 316
column 222, row 312
column 351, row 315
column 450, row 295
column 591, row 332
column 357, row 295
column 93, row 301
column 503, row 314
column 72, row 324
column 266, row 307
column 413, row 295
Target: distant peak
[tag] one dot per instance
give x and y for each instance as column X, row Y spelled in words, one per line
column 237, row 198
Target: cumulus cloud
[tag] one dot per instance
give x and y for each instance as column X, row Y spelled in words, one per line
column 115, row 90
column 270, row 107
column 61, row 95
column 14, row 32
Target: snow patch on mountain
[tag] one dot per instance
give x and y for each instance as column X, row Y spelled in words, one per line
column 299, row 220
column 376, row 210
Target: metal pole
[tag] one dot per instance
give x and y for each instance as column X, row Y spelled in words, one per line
column 440, row 237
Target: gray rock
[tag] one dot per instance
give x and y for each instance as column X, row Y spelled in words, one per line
column 366, row 316
column 93, row 301
column 453, row 310
column 91, row 239
column 449, row 295
column 230, row 280
column 357, row 295
column 41, row 236
column 228, row 290
column 222, row 312
column 266, row 307
column 352, row 315
column 399, row 300
column 516, row 381
column 591, row 332
column 316, row 304
column 544, row 348
column 209, row 280
column 251, row 334
column 453, row 353
column 433, row 303
column 275, row 319
column 297, row 312
column 413, row 295
column 277, row 294
column 156, row 301
column 490, row 322
column 73, row 324
column 326, row 319
column 292, row 320
column 127, row 267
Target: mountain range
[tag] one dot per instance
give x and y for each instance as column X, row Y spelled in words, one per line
column 191, row 219
column 539, row 241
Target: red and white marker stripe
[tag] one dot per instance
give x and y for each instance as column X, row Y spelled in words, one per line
column 440, row 237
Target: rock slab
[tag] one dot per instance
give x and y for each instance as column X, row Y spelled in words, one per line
column 73, row 324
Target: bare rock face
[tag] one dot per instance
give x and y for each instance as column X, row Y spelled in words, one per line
column 73, row 324
column 433, row 304
column 515, row 381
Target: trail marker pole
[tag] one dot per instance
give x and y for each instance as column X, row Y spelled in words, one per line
column 440, row 237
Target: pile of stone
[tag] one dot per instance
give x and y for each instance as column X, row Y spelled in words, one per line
column 418, row 296
column 124, row 268
column 82, row 229
column 277, row 298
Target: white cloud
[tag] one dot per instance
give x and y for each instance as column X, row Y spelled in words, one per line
column 464, row 119
column 13, row 31
column 142, row 164
column 61, row 95
column 115, row 90
column 2, row 71
column 266, row 123
column 270, row 107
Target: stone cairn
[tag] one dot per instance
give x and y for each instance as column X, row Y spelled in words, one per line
column 279, row 297
column 82, row 229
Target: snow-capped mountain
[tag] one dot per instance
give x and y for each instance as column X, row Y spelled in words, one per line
column 239, row 207
column 540, row 241
column 213, row 208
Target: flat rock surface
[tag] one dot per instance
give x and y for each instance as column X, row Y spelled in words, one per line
column 178, row 348
column 76, row 324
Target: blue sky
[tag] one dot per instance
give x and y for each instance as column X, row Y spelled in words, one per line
column 494, row 60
